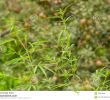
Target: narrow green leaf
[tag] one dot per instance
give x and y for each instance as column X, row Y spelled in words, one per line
column 2, row 42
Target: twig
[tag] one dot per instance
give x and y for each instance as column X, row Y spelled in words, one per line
column 2, row 34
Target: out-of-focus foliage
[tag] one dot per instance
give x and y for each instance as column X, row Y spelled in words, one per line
column 55, row 45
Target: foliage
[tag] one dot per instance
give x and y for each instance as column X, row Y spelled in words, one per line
column 54, row 45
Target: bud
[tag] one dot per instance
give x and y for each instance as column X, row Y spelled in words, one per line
column 55, row 78
column 99, row 63
column 42, row 15
column 83, row 22
column 57, row 1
